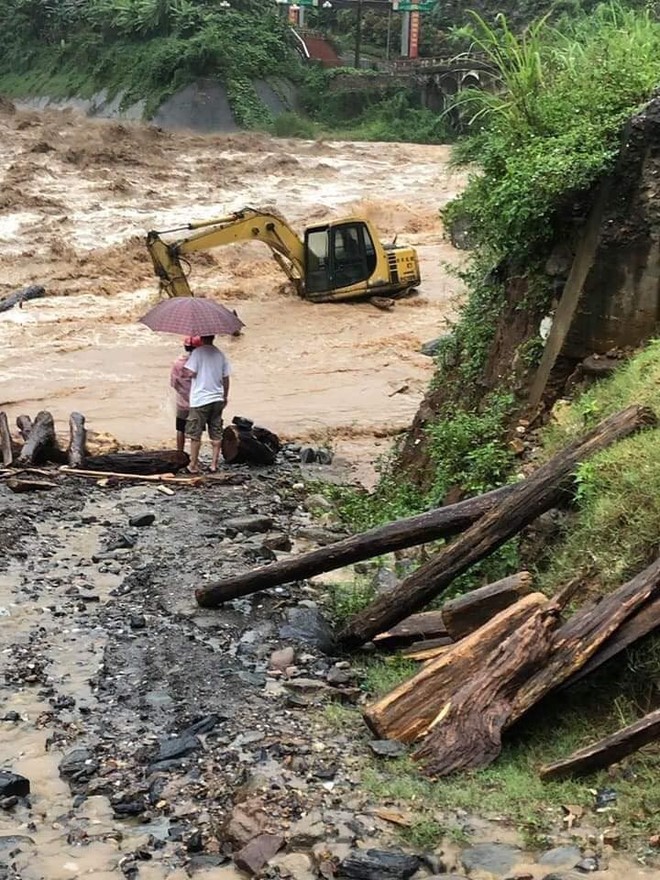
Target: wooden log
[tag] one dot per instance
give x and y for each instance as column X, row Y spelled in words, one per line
column 77, row 440
column 439, row 523
column 245, row 443
column 41, row 442
column 141, row 463
column 423, row 651
column 606, row 751
column 407, row 712
column 425, row 625
column 635, row 628
column 529, row 498
column 169, row 478
column 21, row 485
column 6, row 449
column 467, row 731
column 34, row 291
column 467, row 613
column 24, row 425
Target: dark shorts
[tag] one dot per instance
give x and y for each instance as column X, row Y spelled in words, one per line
column 209, row 417
column 181, row 416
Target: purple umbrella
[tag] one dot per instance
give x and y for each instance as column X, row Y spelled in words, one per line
column 192, row 316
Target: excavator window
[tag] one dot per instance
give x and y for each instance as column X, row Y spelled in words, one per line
column 338, row 256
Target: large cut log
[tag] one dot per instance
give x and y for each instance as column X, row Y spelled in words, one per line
column 6, row 450
column 430, row 526
column 17, row 299
column 24, row 425
column 635, row 628
column 529, row 498
column 41, row 444
column 77, row 439
column 243, row 442
column 407, row 712
column 467, row 613
column 458, row 617
column 608, row 750
column 467, row 731
column 143, row 463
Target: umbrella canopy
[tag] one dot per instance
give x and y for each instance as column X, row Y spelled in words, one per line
column 192, row 316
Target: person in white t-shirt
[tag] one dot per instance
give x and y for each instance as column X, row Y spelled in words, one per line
column 209, row 393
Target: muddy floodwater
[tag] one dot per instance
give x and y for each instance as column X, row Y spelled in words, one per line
column 78, row 197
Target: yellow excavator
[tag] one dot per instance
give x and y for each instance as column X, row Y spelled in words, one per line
column 336, row 261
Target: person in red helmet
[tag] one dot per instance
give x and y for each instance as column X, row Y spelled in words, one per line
column 181, row 381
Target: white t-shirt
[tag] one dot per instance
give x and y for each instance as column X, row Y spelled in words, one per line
column 211, row 367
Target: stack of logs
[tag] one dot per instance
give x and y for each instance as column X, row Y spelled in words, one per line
column 493, row 654
column 39, row 445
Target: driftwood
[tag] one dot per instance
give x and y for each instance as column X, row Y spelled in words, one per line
column 430, row 526
column 606, row 751
column 41, row 444
column 407, row 712
column 20, row 485
column 24, row 425
column 467, row 730
column 225, row 479
column 35, row 291
column 77, row 439
column 635, row 628
column 465, row 614
column 427, row 650
column 533, row 496
column 6, row 449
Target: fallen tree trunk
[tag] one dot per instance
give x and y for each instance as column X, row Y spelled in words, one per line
column 245, row 443
column 606, row 751
column 41, row 443
column 467, row 731
column 77, row 439
column 6, row 449
column 34, row 291
column 467, row 613
column 440, row 523
column 458, row 617
column 141, row 463
column 538, row 493
column 24, row 425
column 407, row 712
column 635, row 628
column 426, row 625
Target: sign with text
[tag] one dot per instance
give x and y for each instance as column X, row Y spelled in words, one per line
column 414, row 35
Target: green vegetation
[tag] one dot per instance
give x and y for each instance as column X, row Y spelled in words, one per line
column 618, row 499
column 143, row 49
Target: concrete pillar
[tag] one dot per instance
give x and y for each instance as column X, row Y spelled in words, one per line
column 405, row 35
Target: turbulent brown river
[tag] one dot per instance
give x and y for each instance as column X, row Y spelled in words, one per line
column 78, row 197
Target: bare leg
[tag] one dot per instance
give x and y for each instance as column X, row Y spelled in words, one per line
column 180, row 441
column 195, row 446
column 215, row 455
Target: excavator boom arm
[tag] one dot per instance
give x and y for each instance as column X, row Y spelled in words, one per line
column 247, row 225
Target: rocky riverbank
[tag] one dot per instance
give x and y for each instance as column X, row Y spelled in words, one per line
column 161, row 740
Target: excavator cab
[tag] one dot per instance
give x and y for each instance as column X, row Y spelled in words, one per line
column 338, row 255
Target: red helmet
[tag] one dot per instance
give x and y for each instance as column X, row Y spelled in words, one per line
column 192, row 341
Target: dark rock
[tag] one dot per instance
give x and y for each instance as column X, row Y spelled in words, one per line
column 204, row 861
column 555, row 876
column 384, row 581
column 13, row 784
column 338, row 676
column 605, row 797
column 8, row 803
column 142, row 519
column 277, row 541
column 324, row 456
column 121, row 542
column 15, row 843
column 11, row 716
column 561, row 857
column 309, row 625
column 204, row 725
column 78, row 765
column 258, row 852
column 138, row 621
column 431, row 348
column 387, row 748
column 178, row 747
column 586, row 866
column 376, row 864
column 498, row 858
column 307, row 455
column 192, row 842
column 252, row 523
